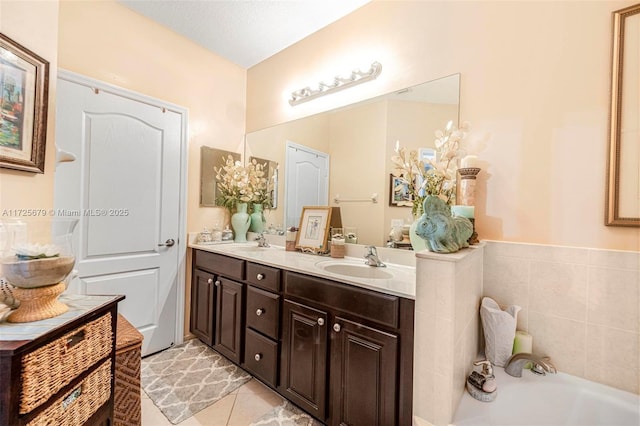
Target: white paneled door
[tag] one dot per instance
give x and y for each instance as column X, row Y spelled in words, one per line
column 306, row 180
column 125, row 188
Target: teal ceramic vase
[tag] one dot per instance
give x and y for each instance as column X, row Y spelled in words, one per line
column 240, row 222
column 257, row 219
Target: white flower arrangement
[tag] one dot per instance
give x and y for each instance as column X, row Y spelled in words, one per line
column 242, row 184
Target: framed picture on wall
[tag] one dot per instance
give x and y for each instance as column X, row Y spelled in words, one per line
column 313, row 231
column 24, row 87
column 399, row 194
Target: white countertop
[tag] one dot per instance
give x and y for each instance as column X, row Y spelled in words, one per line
column 403, row 282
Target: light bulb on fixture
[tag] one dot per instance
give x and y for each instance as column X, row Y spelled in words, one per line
column 339, row 83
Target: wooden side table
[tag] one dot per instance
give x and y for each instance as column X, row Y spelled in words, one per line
column 60, row 368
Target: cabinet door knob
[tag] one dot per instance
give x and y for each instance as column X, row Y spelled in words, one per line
column 260, row 277
column 210, row 281
column 259, row 311
column 336, row 327
column 320, row 321
column 257, row 357
column 217, row 283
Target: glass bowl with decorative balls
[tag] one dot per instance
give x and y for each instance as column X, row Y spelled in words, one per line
column 36, row 256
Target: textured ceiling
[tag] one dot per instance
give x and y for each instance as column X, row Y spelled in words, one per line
column 245, row 32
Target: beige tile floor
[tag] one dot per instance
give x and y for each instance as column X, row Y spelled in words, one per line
column 239, row 408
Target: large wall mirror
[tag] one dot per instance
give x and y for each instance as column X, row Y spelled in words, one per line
column 359, row 141
column 623, row 189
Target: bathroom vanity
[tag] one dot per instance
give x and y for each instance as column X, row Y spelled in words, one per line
column 338, row 345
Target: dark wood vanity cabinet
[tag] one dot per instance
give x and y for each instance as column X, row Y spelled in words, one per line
column 347, row 352
column 217, row 302
column 364, row 373
column 229, row 299
column 342, row 353
column 203, row 297
column 262, row 338
column 304, row 357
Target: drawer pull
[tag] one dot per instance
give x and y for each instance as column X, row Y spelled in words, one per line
column 257, row 357
column 75, row 339
column 73, row 396
column 320, row 321
column 260, row 277
column 336, row 327
column 210, row 281
column 259, row 311
column 217, row 283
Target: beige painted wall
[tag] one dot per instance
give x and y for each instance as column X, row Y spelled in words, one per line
column 34, row 25
column 534, row 83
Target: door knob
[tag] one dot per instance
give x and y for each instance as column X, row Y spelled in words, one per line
column 168, row 243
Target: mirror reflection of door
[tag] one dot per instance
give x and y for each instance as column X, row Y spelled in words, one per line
column 306, row 180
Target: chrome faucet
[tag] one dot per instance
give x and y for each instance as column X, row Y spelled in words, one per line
column 262, row 241
column 371, row 256
column 541, row 364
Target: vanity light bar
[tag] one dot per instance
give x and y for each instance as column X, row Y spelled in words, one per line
column 339, row 83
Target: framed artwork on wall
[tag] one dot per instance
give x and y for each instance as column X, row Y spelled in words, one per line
column 24, row 87
column 313, row 231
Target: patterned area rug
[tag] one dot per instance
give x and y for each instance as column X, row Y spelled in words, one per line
column 185, row 379
column 286, row 414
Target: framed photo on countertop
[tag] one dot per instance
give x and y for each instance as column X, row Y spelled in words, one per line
column 313, row 231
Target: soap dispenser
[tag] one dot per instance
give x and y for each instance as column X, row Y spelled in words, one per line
column 482, row 384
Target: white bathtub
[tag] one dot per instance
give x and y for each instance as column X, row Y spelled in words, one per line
column 551, row 400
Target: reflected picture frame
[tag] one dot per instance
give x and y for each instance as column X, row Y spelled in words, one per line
column 399, row 195
column 24, row 92
column 313, row 232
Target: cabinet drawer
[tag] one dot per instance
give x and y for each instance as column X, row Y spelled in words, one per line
column 377, row 307
column 263, row 311
column 48, row 369
column 261, row 356
column 224, row 265
column 263, row 276
column 78, row 405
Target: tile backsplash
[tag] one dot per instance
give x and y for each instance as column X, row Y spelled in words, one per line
column 581, row 305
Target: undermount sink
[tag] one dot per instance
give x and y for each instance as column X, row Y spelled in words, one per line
column 356, row 270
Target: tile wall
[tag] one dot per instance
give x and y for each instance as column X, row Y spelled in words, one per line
column 448, row 292
column 581, row 305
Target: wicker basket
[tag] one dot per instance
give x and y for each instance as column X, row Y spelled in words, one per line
column 48, row 369
column 77, row 406
column 127, row 409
